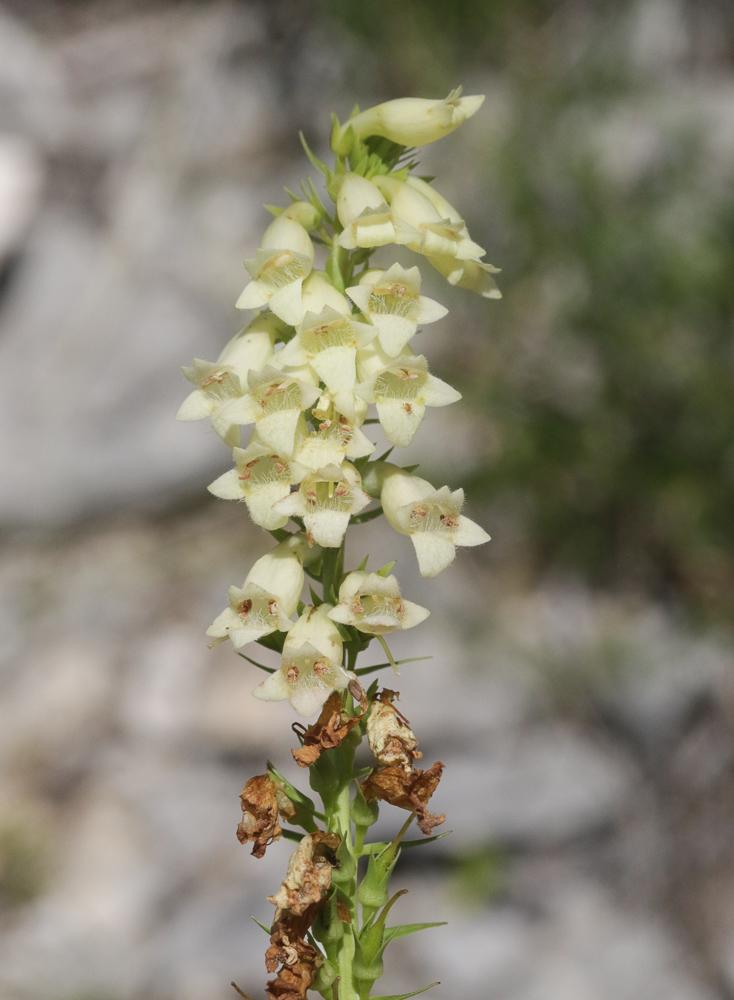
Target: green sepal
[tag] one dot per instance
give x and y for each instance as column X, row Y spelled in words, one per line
column 273, row 641
column 387, row 569
column 305, row 807
column 363, row 565
column 313, row 159
column 364, row 813
column 403, row 930
column 372, row 892
column 346, row 870
column 325, row 976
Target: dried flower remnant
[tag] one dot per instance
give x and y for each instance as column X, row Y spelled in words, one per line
column 293, row 394
column 407, row 788
column 390, row 737
column 263, row 804
column 331, row 728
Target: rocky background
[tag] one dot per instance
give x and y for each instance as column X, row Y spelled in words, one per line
column 581, row 690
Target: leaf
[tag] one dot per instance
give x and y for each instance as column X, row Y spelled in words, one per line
column 292, row 835
column 403, row 930
column 363, row 671
column 406, row 996
column 261, row 925
column 370, row 515
column 312, row 157
column 255, row 663
column 427, row 840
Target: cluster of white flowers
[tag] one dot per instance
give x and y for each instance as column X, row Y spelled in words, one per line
column 328, row 344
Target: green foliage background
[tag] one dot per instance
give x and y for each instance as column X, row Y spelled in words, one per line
column 604, row 379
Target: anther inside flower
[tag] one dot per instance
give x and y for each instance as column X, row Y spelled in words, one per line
column 278, row 270
column 333, row 439
column 326, row 500
column 260, row 478
column 374, row 604
column 402, row 390
column 274, row 403
column 391, row 300
column 432, row 518
column 265, row 601
column 310, row 667
column 328, row 343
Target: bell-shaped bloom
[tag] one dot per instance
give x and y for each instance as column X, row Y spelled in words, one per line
column 474, row 275
column 220, row 383
column 319, row 292
column 373, row 604
column 401, row 391
column 252, row 347
column 391, row 301
column 367, row 219
column 274, row 402
column 334, row 438
column 435, row 234
column 284, row 259
column 328, row 342
column 410, row 121
column 431, row 518
column 260, row 478
column 326, row 499
column 311, row 664
column 267, row 599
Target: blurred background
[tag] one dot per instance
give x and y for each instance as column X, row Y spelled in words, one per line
column 581, row 690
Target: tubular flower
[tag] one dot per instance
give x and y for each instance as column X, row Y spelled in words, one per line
column 392, row 302
column 367, row 219
column 260, row 478
column 221, row 383
column 434, row 234
column 278, row 269
column 328, row 343
column 474, row 275
column 401, row 391
column 431, row 518
column 326, row 499
column 266, row 600
column 373, row 604
column 274, row 402
column 334, row 438
column 310, row 667
column 410, row 121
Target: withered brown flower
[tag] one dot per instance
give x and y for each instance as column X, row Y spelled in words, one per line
column 390, row 737
column 332, row 726
column 297, row 902
column 395, row 747
column 263, row 803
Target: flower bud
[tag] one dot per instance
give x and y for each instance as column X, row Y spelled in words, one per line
column 411, row 121
column 367, row 220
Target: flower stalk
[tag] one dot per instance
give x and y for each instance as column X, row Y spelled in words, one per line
column 333, row 339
